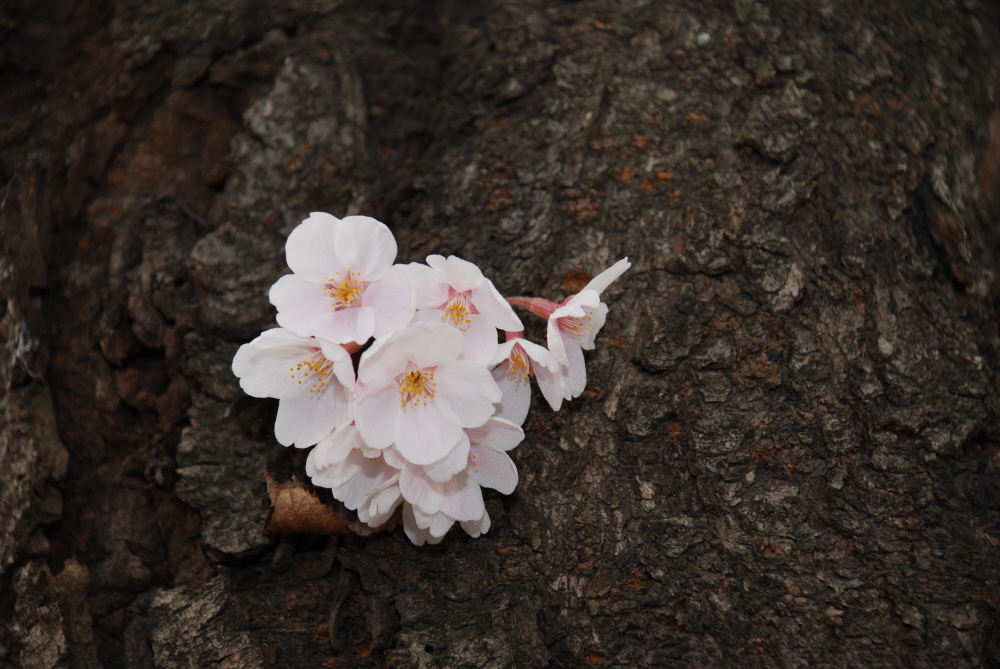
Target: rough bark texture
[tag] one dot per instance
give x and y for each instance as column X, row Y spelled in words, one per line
column 788, row 452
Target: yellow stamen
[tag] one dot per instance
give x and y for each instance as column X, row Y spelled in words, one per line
column 457, row 312
column 319, row 366
column 345, row 292
column 416, row 387
column 518, row 367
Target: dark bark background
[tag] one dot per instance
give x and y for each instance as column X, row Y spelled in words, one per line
column 789, row 451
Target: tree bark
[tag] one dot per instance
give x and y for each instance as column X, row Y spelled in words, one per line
column 787, row 453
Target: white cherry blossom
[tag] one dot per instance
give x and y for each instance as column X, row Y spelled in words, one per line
column 344, row 286
column 516, row 361
column 573, row 325
column 417, row 395
column 357, row 476
column 312, row 380
column 455, row 292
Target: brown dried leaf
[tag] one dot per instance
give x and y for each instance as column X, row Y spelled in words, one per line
column 298, row 510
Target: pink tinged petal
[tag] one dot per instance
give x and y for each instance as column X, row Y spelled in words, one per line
column 373, row 516
column 343, row 368
column 592, row 324
column 443, row 470
column 353, row 324
column 310, row 250
column 462, row 275
column 497, row 310
column 305, row 419
column 382, row 360
column 430, row 288
column 492, row 469
column 423, row 520
column 335, row 447
column 463, row 499
column 393, row 458
column 497, row 433
column 540, row 356
column 600, row 282
column 376, row 411
column 420, row 490
column 516, row 395
column 575, row 374
column 469, row 391
column 430, row 344
column 416, row 535
column 332, row 476
column 366, row 246
column 263, row 365
column 391, row 298
column 440, row 526
column 387, row 500
column 477, row 528
column 422, row 434
column 555, row 341
column 299, row 303
column 552, row 385
column 354, row 492
column 480, row 341
column 503, row 351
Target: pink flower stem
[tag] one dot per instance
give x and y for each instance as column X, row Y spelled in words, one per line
column 536, row 305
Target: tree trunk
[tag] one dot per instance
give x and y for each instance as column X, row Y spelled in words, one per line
column 787, row 454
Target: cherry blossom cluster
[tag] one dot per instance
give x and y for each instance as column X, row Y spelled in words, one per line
column 427, row 415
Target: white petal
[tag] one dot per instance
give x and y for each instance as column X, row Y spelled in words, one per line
column 440, row 526
column 540, row 356
column 430, row 344
column 443, row 470
column 299, row 303
column 333, row 476
column 551, row 384
column 430, row 288
column 592, row 325
column 497, row 311
column 604, row 279
column 305, row 419
column 310, row 250
column 497, row 433
column 375, row 413
column 469, row 391
column 492, row 469
column 575, row 375
column 462, row 275
column 366, row 246
column 393, row 458
column 383, row 360
column 335, row 447
column 355, row 491
column 420, row 490
column 353, row 324
column 516, row 391
column 391, row 298
column 264, row 366
column 423, row 436
column 480, row 341
column 476, row 528
column 554, row 340
column 463, row 499
column 415, row 534
column 503, row 352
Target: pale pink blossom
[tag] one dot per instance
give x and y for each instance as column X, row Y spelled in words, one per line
column 415, row 394
column 516, row 361
column 455, row 292
column 358, row 476
column 344, row 286
column 312, row 380
column 437, row 504
column 573, row 325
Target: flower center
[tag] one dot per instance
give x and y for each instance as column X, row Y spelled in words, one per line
column 518, row 367
column 457, row 312
column 578, row 327
column 416, row 387
column 345, row 292
column 312, row 372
